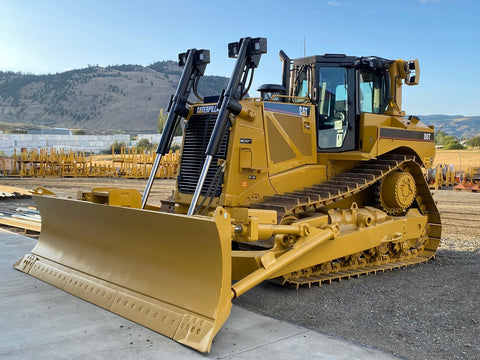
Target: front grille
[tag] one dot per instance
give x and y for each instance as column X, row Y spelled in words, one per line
column 197, row 134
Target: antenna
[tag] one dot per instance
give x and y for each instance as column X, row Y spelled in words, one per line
column 304, row 45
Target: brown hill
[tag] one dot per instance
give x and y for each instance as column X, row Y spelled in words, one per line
column 125, row 98
column 95, row 99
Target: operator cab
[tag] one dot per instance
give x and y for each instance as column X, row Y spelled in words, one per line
column 342, row 87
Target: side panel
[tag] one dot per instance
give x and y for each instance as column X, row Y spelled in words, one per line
column 290, row 136
column 273, row 151
column 381, row 134
column 246, row 173
column 419, row 139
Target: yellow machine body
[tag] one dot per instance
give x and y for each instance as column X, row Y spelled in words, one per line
column 281, row 156
column 294, row 196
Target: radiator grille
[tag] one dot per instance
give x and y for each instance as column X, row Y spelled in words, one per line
column 197, row 134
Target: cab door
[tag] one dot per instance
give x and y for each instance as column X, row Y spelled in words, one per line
column 335, row 114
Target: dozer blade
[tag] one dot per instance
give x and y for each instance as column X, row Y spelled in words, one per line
column 168, row 272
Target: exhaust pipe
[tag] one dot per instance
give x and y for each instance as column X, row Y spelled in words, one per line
column 285, row 69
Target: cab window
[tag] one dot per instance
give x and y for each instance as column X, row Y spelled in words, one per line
column 332, row 123
column 372, row 93
column 301, row 82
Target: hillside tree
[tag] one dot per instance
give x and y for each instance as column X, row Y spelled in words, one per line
column 474, row 141
column 145, row 144
column 451, row 143
column 162, row 119
column 440, row 137
column 448, row 141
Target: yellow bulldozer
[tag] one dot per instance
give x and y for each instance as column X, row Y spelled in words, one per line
column 321, row 177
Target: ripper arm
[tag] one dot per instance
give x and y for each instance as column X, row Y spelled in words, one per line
column 194, row 63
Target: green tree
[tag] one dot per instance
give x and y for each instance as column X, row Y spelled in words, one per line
column 144, row 144
column 162, row 119
column 450, row 143
column 440, row 138
column 474, row 141
column 117, row 147
column 79, row 132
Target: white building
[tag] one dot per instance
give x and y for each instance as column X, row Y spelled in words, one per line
column 87, row 143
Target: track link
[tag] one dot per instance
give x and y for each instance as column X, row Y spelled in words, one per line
column 300, row 203
column 328, row 278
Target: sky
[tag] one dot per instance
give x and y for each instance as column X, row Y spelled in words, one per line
column 48, row 36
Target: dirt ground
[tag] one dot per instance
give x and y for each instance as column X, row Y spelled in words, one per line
column 161, row 189
column 428, row 311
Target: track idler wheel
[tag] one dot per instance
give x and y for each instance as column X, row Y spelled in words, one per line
column 397, row 192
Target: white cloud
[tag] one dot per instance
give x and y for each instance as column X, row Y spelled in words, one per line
column 336, row 3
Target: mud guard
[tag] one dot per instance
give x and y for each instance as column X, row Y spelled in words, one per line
column 168, row 272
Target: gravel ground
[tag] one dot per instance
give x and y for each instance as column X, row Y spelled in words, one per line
column 428, row 311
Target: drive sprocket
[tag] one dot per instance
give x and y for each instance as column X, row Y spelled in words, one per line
column 396, row 192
